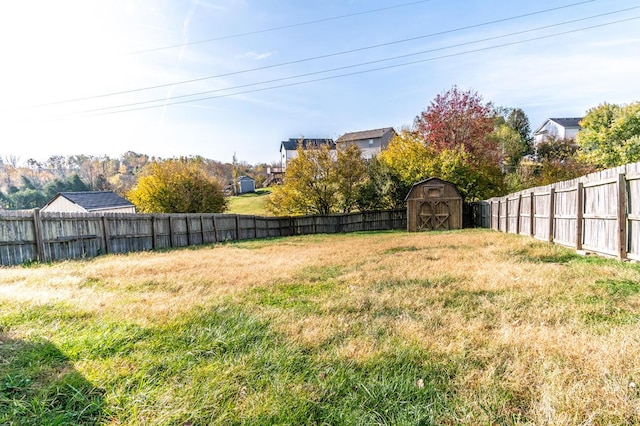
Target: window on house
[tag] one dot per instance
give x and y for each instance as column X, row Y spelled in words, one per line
column 370, row 143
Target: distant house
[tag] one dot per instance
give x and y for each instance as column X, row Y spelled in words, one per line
column 557, row 128
column 89, row 202
column 246, row 184
column 370, row 142
column 288, row 148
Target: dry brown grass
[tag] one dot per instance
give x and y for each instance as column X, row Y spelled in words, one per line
column 536, row 334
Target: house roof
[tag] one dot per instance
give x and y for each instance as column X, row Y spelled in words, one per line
column 573, row 122
column 365, row 134
column 292, row 143
column 94, row 200
column 245, row 178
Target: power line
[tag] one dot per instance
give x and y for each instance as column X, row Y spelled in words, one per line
column 364, row 71
column 364, row 63
column 284, row 27
column 160, row 86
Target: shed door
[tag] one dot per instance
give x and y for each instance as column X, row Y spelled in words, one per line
column 434, row 215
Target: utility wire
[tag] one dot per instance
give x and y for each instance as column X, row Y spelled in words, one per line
column 369, row 70
column 284, row 27
column 362, row 63
column 160, row 86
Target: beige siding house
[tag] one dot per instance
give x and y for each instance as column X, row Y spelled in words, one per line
column 89, row 202
column 370, row 142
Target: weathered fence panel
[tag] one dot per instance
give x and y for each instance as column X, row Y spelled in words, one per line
column 17, row 238
column 599, row 212
column 36, row 236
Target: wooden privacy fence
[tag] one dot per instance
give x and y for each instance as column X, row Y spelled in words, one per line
column 599, row 212
column 45, row 237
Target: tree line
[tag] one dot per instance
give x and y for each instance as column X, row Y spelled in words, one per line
column 31, row 183
column 485, row 150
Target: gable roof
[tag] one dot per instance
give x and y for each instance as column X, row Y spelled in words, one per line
column 568, row 122
column 94, row 200
column 292, row 143
column 365, row 134
column 573, row 122
column 442, row 181
column 245, row 178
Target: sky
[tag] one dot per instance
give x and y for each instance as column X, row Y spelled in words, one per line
column 215, row 78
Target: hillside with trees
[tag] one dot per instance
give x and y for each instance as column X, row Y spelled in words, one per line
column 485, row 150
column 31, row 183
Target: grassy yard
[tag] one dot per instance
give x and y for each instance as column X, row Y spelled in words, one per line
column 467, row 327
column 251, row 203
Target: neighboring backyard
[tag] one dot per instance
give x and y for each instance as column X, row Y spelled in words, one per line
column 465, row 327
column 251, row 203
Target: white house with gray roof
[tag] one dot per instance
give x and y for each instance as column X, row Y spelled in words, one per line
column 370, row 142
column 557, row 128
column 89, row 202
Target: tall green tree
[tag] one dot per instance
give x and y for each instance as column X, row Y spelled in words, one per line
column 519, row 122
column 383, row 189
column 71, row 184
column 351, row 175
column 317, row 182
column 610, row 135
column 177, row 186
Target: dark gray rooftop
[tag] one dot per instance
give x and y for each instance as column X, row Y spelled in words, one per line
column 96, row 200
column 568, row 122
column 292, row 143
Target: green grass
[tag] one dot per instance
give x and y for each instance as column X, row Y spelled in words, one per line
column 390, row 328
column 250, row 204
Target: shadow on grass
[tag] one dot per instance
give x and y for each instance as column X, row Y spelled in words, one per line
column 38, row 386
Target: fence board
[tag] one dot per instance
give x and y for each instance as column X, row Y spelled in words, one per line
column 84, row 235
column 599, row 212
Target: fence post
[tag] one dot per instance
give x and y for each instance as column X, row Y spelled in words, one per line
column 506, row 216
column 255, row 227
column 215, row 229
column 187, row 222
column 622, row 216
column 170, row 231
column 491, row 214
column 498, row 216
column 237, row 228
column 154, row 232
column 552, row 207
column 579, row 215
column 105, row 235
column 518, row 213
column 532, row 214
column 38, row 236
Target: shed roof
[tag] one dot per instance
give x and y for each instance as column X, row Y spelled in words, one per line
column 422, row 182
column 365, row 134
column 94, row 200
column 292, row 143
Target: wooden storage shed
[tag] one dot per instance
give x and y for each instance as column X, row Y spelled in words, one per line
column 434, row 204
